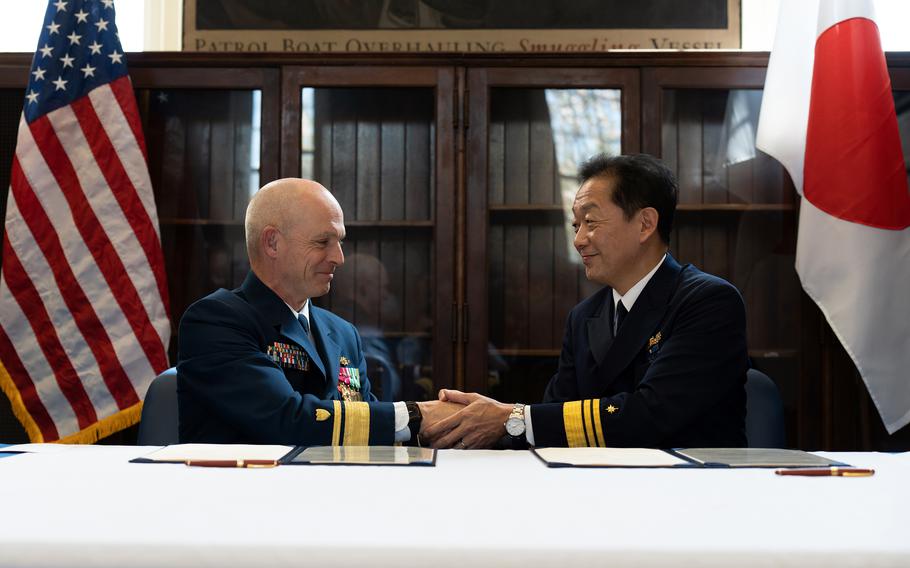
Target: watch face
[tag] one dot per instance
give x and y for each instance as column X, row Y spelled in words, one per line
column 515, row 426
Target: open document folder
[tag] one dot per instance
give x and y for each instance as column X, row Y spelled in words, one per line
column 688, row 457
column 244, row 455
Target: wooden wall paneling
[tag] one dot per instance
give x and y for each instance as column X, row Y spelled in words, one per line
column 202, row 167
column 516, row 286
column 216, row 261
column 290, row 110
column 541, row 152
column 222, row 189
column 690, row 147
column 391, row 254
column 496, row 163
column 690, row 245
column 446, row 281
column 496, row 85
column 171, row 155
column 541, row 178
column 153, row 129
column 739, row 182
column 270, row 126
column 11, row 100
column 419, row 180
column 197, row 160
column 477, row 230
column 787, row 284
column 714, row 169
column 656, row 81
column 566, row 273
column 175, row 282
column 241, row 262
column 344, row 154
column 432, row 173
column 540, row 287
column 322, row 77
column 170, row 76
column 669, row 131
column 496, row 283
column 765, row 235
column 340, row 299
column 419, row 286
column 841, row 397
column 747, row 251
column 322, row 139
column 367, row 148
column 367, row 284
column 809, row 425
column 715, row 238
column 393, row 163
column 514, row 108
column 632, row 124
column 769, row 186
column 779, row 262
column 244, row 186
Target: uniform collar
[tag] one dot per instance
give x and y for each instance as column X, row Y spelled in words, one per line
column 628, row 299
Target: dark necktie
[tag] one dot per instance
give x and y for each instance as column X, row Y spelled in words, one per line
column 305, row 324
column 621, row 313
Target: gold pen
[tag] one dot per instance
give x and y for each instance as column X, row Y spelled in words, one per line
column 828, row 472
column 232, row 463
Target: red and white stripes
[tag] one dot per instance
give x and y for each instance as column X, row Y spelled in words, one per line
column 83, row 298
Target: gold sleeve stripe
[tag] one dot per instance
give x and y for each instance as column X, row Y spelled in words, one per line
column 598, row 428
column 571, row 416
column 336, row 428
column 356, row 424
column 588, row 422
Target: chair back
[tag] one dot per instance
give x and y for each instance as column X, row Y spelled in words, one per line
column 386, row 384
column 158, row 425
column 764, row 412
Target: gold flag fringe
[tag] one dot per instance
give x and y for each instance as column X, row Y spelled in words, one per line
column 103, row 428
column 19, row 411
column 106, row 426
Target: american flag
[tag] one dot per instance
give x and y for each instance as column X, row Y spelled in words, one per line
column 83, row 298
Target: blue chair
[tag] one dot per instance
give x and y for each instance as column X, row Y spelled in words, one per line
column 383, row 377
column 158, row 425
column 764, row 412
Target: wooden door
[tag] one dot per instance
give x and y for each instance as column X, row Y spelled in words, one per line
column 528, row 131
column 382, row 140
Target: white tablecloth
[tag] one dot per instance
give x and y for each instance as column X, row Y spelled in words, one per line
column 87, row 506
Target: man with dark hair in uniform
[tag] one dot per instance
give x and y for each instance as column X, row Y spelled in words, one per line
column 656, row 358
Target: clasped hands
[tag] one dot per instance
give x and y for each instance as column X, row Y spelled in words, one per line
column 463, row 420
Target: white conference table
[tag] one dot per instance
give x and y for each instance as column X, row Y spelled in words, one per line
column 87, row 506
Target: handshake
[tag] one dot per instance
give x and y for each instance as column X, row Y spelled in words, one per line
column 463, row 420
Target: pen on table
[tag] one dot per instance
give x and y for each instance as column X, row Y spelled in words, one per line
column 232, row 463
column 828, row 471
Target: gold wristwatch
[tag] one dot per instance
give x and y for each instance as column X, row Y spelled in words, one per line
column 515, row 424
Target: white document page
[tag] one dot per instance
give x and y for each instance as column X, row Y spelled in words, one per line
column 184, row 452
column 609, row 457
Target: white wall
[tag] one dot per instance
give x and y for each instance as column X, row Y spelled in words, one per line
column 156, row 25
column 760, row 18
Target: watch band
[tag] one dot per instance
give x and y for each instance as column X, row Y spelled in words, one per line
column 414, row 419
column 517, row 416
